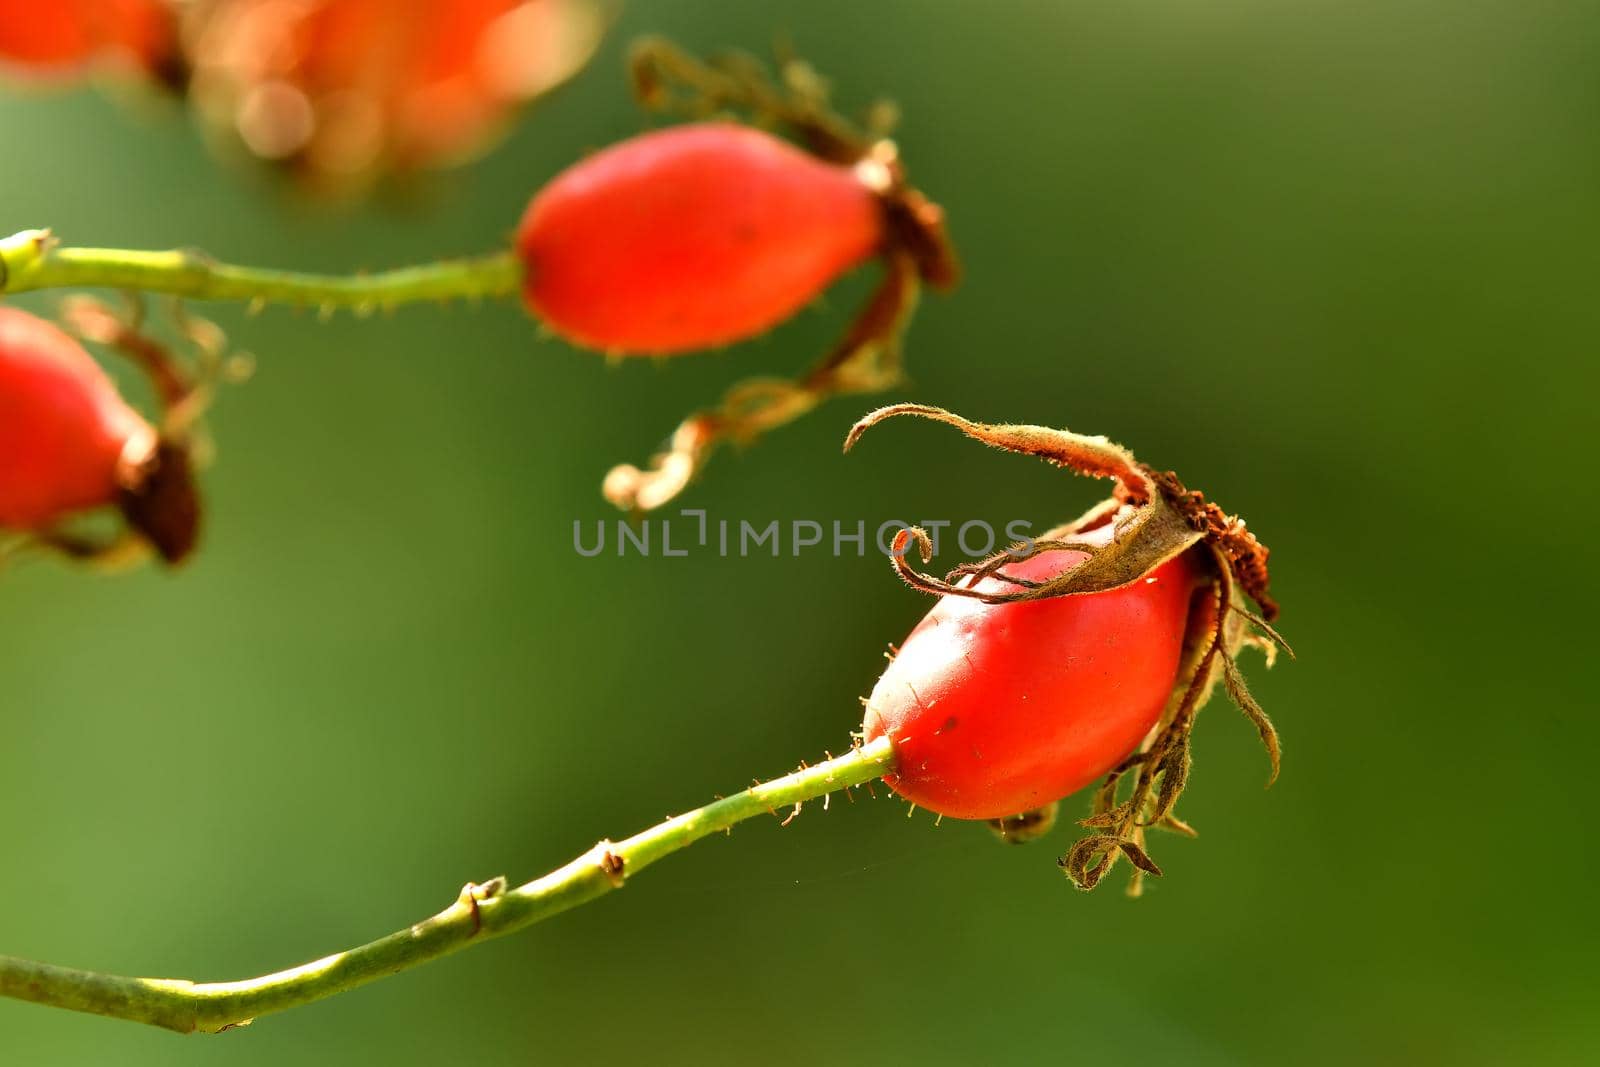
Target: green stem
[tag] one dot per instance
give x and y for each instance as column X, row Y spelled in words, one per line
column 481, row 912
column 32, row 260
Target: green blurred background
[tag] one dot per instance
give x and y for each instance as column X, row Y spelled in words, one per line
column 1333, row 261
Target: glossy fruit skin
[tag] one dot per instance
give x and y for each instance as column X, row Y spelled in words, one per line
column 67, row 437
column 1000, row 709
column 58, row 37
column 691, row 237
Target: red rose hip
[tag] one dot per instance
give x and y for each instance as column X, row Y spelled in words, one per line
column 691, row 237
column 344, row 92
column 71, row 443
column 55, row 37
column 997, row 709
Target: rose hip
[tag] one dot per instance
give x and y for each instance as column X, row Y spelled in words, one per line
column 691, row 237
column 343, row 92
column 72, row 444
column 998, row 709
column 60, row 37
column 1086, row 652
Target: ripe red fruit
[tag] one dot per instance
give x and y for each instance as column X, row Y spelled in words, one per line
column 998, row 709
column 1033, row 676
column 61, row 36
column 691, row 237
column 72, row 444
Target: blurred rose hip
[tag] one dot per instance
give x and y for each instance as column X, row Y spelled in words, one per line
column 344, row 91
column 691, row 237
column 60, row 38
column 72, row 444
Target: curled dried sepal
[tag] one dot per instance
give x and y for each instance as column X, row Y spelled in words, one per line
column 1097, row 457
column 1244, row 556
column 866, row 360
column 1089, row 860
column 1027, row 826
column 1273, row 640
column 1147, row 529
column 1239, row 692
column 1163, row 764
column 158, row 495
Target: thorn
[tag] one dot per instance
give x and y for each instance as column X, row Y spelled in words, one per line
column 791, row 816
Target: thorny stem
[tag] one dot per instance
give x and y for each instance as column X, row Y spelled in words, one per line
column 481, row 912
column 33, row 260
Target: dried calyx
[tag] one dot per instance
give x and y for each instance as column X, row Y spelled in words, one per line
column 1153, row 517
column 157, row 494
column 915, row 250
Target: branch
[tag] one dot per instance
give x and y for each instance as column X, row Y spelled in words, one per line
column 33, row 260
column 481, row 912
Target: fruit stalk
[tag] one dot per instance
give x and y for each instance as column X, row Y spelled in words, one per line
column 481, row 912
column 32, row 260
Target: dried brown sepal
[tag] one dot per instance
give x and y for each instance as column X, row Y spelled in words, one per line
column 1027, row 826
column 866, row 360
column 1163, row 765
column 1116, row 815
column 1096, row 457
column 1174, row 771
column 1089, row 860
column 164, row 504
column 915, row 249
column 1233, row 679
column 670, row 81
column 1138, row 857
column 1147, row 530
column 1246, row 556
column 158, row 495
column 1154, row 517
column 1177, row 826
column 1274, row 638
